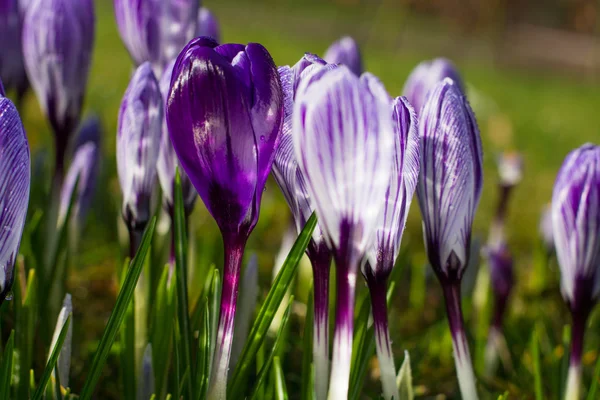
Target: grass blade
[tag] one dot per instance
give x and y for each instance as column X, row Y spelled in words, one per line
column 280, row 388
column 7, row 367
column 118, row 314
column 269, row 308
column 404, row 379
column 537, row 374
column 595, row 379
column 52, row 360
column 307, row 391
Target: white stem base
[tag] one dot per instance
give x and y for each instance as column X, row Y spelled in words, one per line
column 387, row 368
column 573, row 383
column 321, row 362
column 464, row 367
column 340, row 368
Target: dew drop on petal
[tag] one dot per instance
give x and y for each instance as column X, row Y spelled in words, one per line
column 9, row 296
column 262, row 138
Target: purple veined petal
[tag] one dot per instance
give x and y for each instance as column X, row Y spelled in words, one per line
column 343, row 137
column 451, row 177
column 346, row 52
column 576, row 226
column 15, row 181
column 167, row 162
column 424, row 78
column 138, row 140
column 58, row 37
column 12, row 68
column 64, row 358
column 178, row 27
column 399, row 193
column 208, row 25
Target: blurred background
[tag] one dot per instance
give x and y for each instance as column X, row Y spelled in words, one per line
column 532, row 70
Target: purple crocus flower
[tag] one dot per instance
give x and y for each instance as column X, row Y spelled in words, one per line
column 224, row 113
column 83, row 172
column 392, row 219
column 576, row 222
column 344, row 140
column 208, row 25
column 449, row 190
column 12, row 68
column 291, row 180
column 138, row 140
column 156, row 30
column 58, row 36
column 425, row 77
column 346, row 52
column 15, row 180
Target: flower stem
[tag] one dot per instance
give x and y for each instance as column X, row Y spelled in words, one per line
column 234, row 252
column 321, row 265
column 462, row 357
column 573, row 391
column 346, row 271
column 378, row 291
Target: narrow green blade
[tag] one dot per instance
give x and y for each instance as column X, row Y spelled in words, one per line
column 280, row 388
column 307, row 391
column 7, row 366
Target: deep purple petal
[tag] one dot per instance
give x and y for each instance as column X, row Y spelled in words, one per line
column 346, row 52
column 208, row 25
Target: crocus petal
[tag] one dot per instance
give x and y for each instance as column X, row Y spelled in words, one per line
column 15, row 177
column 451, row 177
column 138, row 139
column 424, row 78
column 400, row 190
column 12, row 69
column 576, row 225
column 58, row 36
column 225, row 139
column 343, row 134
column 208, row 25
column 346, row 52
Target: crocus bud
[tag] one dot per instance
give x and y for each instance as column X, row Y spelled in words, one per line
column 15, row 177
column 167, row 162
column 390, row 226
column 208, row 25
column 346, row 52
column 449, row 189
column 510, row 168
column 576, row 225
column 425, row 77
column 156, row 30
column 64, row 359
column 138, row 139
column 344, row 141
column 502, row 278
column 58, row 36
column 224, row 114
column 83, row 172
column 12, row 68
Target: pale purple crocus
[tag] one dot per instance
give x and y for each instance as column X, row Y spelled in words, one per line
column 138, row 141
column 576, row 225
column 58, row 37
column 224, row 114
column 425, row 77
column 155, row 31
column 449, row 189
column 392, row 219
column 346, row 52
column 208, row 25
column 292, row 182
column 12, row 67
column 344, row 140
column 15, row 182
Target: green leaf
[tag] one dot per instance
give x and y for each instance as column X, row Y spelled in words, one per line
column 204, row 355
column 127, row 349
column 269, row 308
column 52, row 360
column 537, row 374
column 7, row 367
column 162, row 332
column 278, row 377
column 118, row 314
column 26, row 305
column 307, row 390
column 404, row 379
column 272, row 355
column 595, row 379
column 183, row 315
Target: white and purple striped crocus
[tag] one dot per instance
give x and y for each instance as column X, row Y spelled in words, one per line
column 224, row 114
column 12, row 67
column 15, row 181
column 449, row 189
column 390, row 226
column 291, row 180
column 138, row 141
column 425, row 77
column 83, row 173
column 346, row 52
column 208, row 25
column 576, row 225
column 155, row 31
column 58, row 37
column 344, row 140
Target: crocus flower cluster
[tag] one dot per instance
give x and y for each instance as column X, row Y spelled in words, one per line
column 15, row 181
column 225, row 140
column 576, row 226
column 346, row 52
